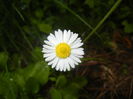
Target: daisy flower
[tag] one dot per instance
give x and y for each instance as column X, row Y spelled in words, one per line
column 62, row 50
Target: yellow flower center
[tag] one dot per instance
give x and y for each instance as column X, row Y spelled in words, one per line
column 63, row 50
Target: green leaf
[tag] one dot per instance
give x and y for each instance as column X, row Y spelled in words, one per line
column 32, row 85
column 3, row 84
column 80, row 82
column 8, row 88
column 90, row 3
column 61, row 81
column 52, row 79
column 26, row 1
column 46, row 28
column 37, row 54
column 111, row 2
column 55, row 94
column 39, row 13
column 43, row 73
column 19, row 79
column 70, row 96
column 128, row 28
column 26, row 29
column 3, row 59
column 39, row 71
column 72, row 89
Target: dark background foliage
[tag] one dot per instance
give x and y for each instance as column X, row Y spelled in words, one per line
column 106, row 71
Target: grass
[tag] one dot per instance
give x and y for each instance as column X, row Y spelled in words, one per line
column 105, row 71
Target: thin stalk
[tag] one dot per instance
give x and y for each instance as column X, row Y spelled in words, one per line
column 72, row 12
column 19, row 13
column 104, row 18
column 13, row 43
column 92, row 59
column 21, row 30
column 24, row 35
column 77, row 16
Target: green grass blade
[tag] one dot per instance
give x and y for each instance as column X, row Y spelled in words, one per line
column 72, row 12
column 19, row 13
column 104, row 18
column 78, row 17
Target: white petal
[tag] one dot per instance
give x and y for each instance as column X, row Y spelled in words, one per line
column 57, row 36
column 78, row 40
column 48, row 43
column 64, row 36
column 48, row 54
column 77, row 45
column 60, row 63
column 75, row 58
column 71, row 62
column 79, row 56
column 48, row 47
column 55, row 62
column 75, row 62
column 73, row 38
column 44, row 50
column 62, row 66
column 78, row 51
column 50, row 57
column 67, row 65
column 55, row 40
column 52, row 39
column 51, row 62
column 67, row 35
column 60, row 35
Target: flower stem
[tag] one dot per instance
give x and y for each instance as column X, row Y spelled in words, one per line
column 104, row 18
